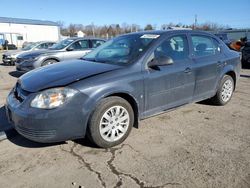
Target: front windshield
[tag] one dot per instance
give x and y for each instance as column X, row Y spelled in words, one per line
column 121, row 50
column 30, row 46
column 62, row 44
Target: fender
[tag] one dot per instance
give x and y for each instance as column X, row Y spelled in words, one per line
column 51, row 57
column 92, row 100
column 227, row 68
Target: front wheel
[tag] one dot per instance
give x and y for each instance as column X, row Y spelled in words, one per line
column 225, row 91
column 111, row 122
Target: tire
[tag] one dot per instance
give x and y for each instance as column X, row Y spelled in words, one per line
column 224, row 92
column 49, row 62
column 106, row 126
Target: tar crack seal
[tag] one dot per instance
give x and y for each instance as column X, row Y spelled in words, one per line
column 119, row 174
column 87, row 165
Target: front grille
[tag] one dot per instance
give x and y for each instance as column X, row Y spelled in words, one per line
column 19, row 93
column 35, row 134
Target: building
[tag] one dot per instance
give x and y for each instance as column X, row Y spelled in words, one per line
column 18, row 30
column 235, row 34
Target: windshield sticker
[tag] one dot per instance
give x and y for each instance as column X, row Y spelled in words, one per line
column 149, row 36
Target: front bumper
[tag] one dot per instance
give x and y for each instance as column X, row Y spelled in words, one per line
column 23, row 67
column 60, row 124
column 8, row 60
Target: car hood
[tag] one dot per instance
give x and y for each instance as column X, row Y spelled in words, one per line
column 13, row 52
column 62, row 74
column 36, row 53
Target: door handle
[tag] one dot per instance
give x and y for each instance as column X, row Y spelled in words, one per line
column 187, row 70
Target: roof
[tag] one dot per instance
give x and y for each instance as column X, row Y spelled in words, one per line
column 168, row 31
column 88, row 38
column 27, row 21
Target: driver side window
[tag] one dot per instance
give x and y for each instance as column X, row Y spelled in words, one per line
column 175, row 47
column 80, row 45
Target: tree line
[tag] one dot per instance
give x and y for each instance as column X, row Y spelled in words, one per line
column 109, row 31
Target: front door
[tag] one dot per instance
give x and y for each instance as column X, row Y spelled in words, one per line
column 170, row 85
column 77, row 50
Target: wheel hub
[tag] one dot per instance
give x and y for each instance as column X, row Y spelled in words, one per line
column 227, row 90
column 114, row 123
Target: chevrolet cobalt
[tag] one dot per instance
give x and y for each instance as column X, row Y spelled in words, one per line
column 128, row 78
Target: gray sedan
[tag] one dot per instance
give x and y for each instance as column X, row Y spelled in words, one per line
column 129, row 78
column 71, row 48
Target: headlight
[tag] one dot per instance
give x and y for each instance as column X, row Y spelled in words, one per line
column 32, row 58
column 52, row 98
column 13, row 56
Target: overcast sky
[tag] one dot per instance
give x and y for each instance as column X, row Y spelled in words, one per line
column 227, row 12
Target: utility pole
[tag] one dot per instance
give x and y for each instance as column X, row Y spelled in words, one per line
column 195, row 21
column 93, row 29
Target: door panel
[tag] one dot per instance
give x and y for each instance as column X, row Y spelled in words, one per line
column 80, row 48
column 171, row 85
column 207, row 58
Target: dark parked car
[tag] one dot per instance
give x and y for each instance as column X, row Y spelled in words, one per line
column 11, row 56
column 128, row 78
column 224, row 38
column 71, row 48
column 10, row 47
column 246, row 54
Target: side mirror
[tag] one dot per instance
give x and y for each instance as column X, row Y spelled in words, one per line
column 160, row 61
column 70, row 48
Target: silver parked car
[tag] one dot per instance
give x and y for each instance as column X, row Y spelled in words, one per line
column 10, row 56
column 71, row 48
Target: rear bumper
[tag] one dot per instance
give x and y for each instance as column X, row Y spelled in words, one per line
column 46, row 126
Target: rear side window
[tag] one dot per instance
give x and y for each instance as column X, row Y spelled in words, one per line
column 204, row 46
column 42, row 46
column 96, row 43
column 50, row 44
column 175, row 47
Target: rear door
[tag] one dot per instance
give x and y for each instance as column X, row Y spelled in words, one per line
column 207, row 59
column 171, row 85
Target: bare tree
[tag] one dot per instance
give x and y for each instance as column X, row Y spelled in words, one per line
column 109, row 31
column 72, row 30
column 148, row 27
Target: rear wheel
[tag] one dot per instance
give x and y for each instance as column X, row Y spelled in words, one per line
column 111, row 122
column 225, row 91
column 49, row 62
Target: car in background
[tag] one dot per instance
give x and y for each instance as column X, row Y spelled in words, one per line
column 11, row 56
column 10, row 47
column 4, row 45
column 26, row 44
column 224, row 38
column 245, row 51
column 70, row 48
column 128, row 78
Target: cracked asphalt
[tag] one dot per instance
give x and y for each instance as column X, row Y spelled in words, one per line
column 197, row 145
